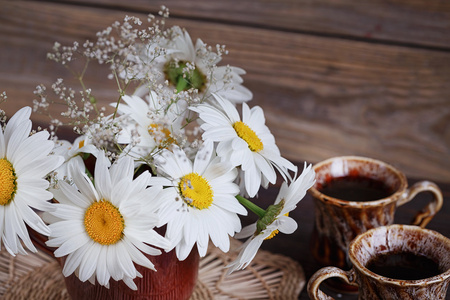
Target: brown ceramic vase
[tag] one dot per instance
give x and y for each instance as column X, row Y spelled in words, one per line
column 174, row 279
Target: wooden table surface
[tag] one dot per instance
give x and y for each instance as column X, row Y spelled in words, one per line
column 333, row 77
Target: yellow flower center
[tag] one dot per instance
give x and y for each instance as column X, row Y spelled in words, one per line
column 8, row 184
column 104, row 223
column 81, row 144
column 161, row 134
column 276, row 231
column 247, row 134
column 196, row 191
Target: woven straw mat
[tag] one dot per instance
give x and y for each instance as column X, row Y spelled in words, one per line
column 38, row 276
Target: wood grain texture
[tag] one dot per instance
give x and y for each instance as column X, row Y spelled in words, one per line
column 417, row 22
column 323, row 95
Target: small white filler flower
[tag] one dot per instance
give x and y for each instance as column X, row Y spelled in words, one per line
column 24, row 162
column 276, row 219
column 103, row 228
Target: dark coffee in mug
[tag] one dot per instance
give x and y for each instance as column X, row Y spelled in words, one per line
column 401, row 262
column 403, row 266
column 356, row 188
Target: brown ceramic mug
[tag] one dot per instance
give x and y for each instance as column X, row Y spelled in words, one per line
column 393, row 262
column 353, row 194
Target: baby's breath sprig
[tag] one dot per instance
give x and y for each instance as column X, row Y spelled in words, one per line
column 3, row 117
column 142, row 58
column 77, row 105
column 3, row 97
column 113, row 46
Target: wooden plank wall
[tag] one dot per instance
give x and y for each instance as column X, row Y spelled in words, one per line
column 334, row 77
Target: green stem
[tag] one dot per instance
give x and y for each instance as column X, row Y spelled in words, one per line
column 117, row 107
column 121, row 93
column 252, row 206
column 89, row 174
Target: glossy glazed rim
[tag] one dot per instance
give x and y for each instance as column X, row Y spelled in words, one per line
column 398, row 282
column 383, row 201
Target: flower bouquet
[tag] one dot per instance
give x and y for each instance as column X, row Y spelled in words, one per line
column 169, row 167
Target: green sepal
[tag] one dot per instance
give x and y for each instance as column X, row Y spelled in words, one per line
column 272, row 212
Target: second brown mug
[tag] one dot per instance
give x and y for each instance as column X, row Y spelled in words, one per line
column 396, row 262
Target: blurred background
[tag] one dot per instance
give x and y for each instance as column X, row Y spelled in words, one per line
column 333, row 77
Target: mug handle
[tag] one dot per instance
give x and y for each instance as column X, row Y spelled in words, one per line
column 423, row 217
column 327, row 272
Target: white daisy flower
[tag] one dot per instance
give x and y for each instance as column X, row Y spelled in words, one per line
column 24, row 162
column 276, row 219
column 247, row 143
column 73, row 152
column 199, row 202
column 104, row 229
column 187, row 66
column 156, row 124
column 204, row 75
